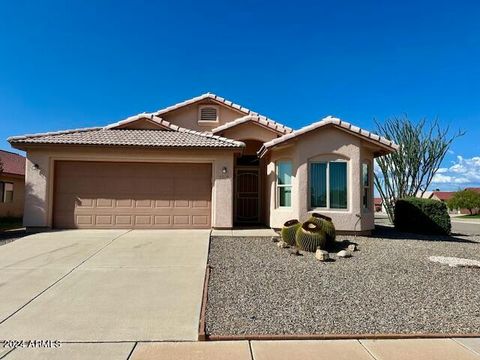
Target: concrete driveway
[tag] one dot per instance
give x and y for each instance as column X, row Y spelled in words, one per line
column 102, row 286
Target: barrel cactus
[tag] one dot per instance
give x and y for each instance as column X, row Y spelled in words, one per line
column 289, row 230
column 310, row 236
column 326, row 224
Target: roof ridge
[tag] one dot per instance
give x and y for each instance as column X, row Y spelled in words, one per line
column 207, row 95
column 210, row 135
column 60, row 132
column 262, row 120
column 326, row 121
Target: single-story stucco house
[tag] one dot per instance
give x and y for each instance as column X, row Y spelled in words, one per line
column 205, row 162
column 12, row 184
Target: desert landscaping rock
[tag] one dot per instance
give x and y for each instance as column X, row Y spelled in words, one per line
column 455, row 262
column 352, row 247
column 344, row 254
column 322, row 255
column 389, row 287
column 282, row 244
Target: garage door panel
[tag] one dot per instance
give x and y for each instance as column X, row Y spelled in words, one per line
column 132, row 195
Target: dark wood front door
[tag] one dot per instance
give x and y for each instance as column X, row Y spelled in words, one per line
column 247, row 195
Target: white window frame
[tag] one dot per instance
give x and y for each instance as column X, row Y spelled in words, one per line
column 366, row 187
column 278, row 186
column 208, row 122
column 328, row 184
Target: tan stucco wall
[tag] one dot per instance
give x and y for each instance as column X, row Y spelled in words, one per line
column 15, row 208
column 187, row 116
column 39, row 183
column 249, row 131
column 325, row 144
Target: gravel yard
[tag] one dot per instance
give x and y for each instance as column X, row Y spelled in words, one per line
column 388, row 286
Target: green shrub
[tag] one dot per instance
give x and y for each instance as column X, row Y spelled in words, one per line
column 326, row 224
column 310, row 236
column 422, row 216
column 289, row 231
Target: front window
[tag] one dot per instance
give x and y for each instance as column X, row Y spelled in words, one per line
column 6, row 192
column 328, row 184
column 366, row 185
column 284, row 183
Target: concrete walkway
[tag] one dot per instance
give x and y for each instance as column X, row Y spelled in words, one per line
column 103, row 286
column 411, row 349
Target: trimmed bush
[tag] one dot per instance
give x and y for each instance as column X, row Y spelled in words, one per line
column 325, row 224
column 310, row 236
column 422, row 216
column 289, row 231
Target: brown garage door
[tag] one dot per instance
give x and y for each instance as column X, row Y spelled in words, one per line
column 131, row 195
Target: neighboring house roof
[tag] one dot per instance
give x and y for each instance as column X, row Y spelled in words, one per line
column 443, row 195
column 377, row 201
column 260, row 120
column 208, row 96
column 477, row 189
column 12, row 163
column 329, row 120
column 148, row 138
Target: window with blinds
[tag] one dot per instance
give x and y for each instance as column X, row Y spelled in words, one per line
column 328, row 185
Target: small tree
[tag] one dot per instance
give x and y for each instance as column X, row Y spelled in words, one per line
column 465, row 199
column 409, row 171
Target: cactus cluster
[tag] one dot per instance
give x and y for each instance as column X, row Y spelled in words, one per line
column 310, row 237
column 325, row 224
column 289, row 231
column 317, row 232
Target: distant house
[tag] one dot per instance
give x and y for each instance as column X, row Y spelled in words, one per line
column 441, row 195
column 12, row 184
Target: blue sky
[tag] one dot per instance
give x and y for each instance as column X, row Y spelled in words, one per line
column 69, row 64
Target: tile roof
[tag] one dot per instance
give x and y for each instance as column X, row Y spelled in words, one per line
column 443, row 195
column 477, row 189
column 262, row 120
column 152, row 117
column 12, row 163
column 113, row 137
column 329, row 120
column 156, row 115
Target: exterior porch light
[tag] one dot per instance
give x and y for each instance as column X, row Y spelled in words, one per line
column 224, row 170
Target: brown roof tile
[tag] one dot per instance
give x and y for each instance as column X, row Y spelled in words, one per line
column 12, row 163
column 147, row 138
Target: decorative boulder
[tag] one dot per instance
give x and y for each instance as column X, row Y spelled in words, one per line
column 344, row 254
column 282, row 244
column 352, row 247
column 289, row 230
column 322, row 255
column 310, row 236
column 325, row 224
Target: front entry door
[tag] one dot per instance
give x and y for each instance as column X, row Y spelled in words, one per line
column 247, row 195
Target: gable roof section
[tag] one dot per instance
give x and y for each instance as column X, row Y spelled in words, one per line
column 256, row 119
column 388, row 145
column 12, row 163
column 208, row 96
column 162, row 124
column 179, row 138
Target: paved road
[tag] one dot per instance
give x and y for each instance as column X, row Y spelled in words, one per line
column 113, row 286
column 459, row 226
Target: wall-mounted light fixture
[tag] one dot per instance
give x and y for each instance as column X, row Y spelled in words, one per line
column 224, row 170
column 36, row 167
